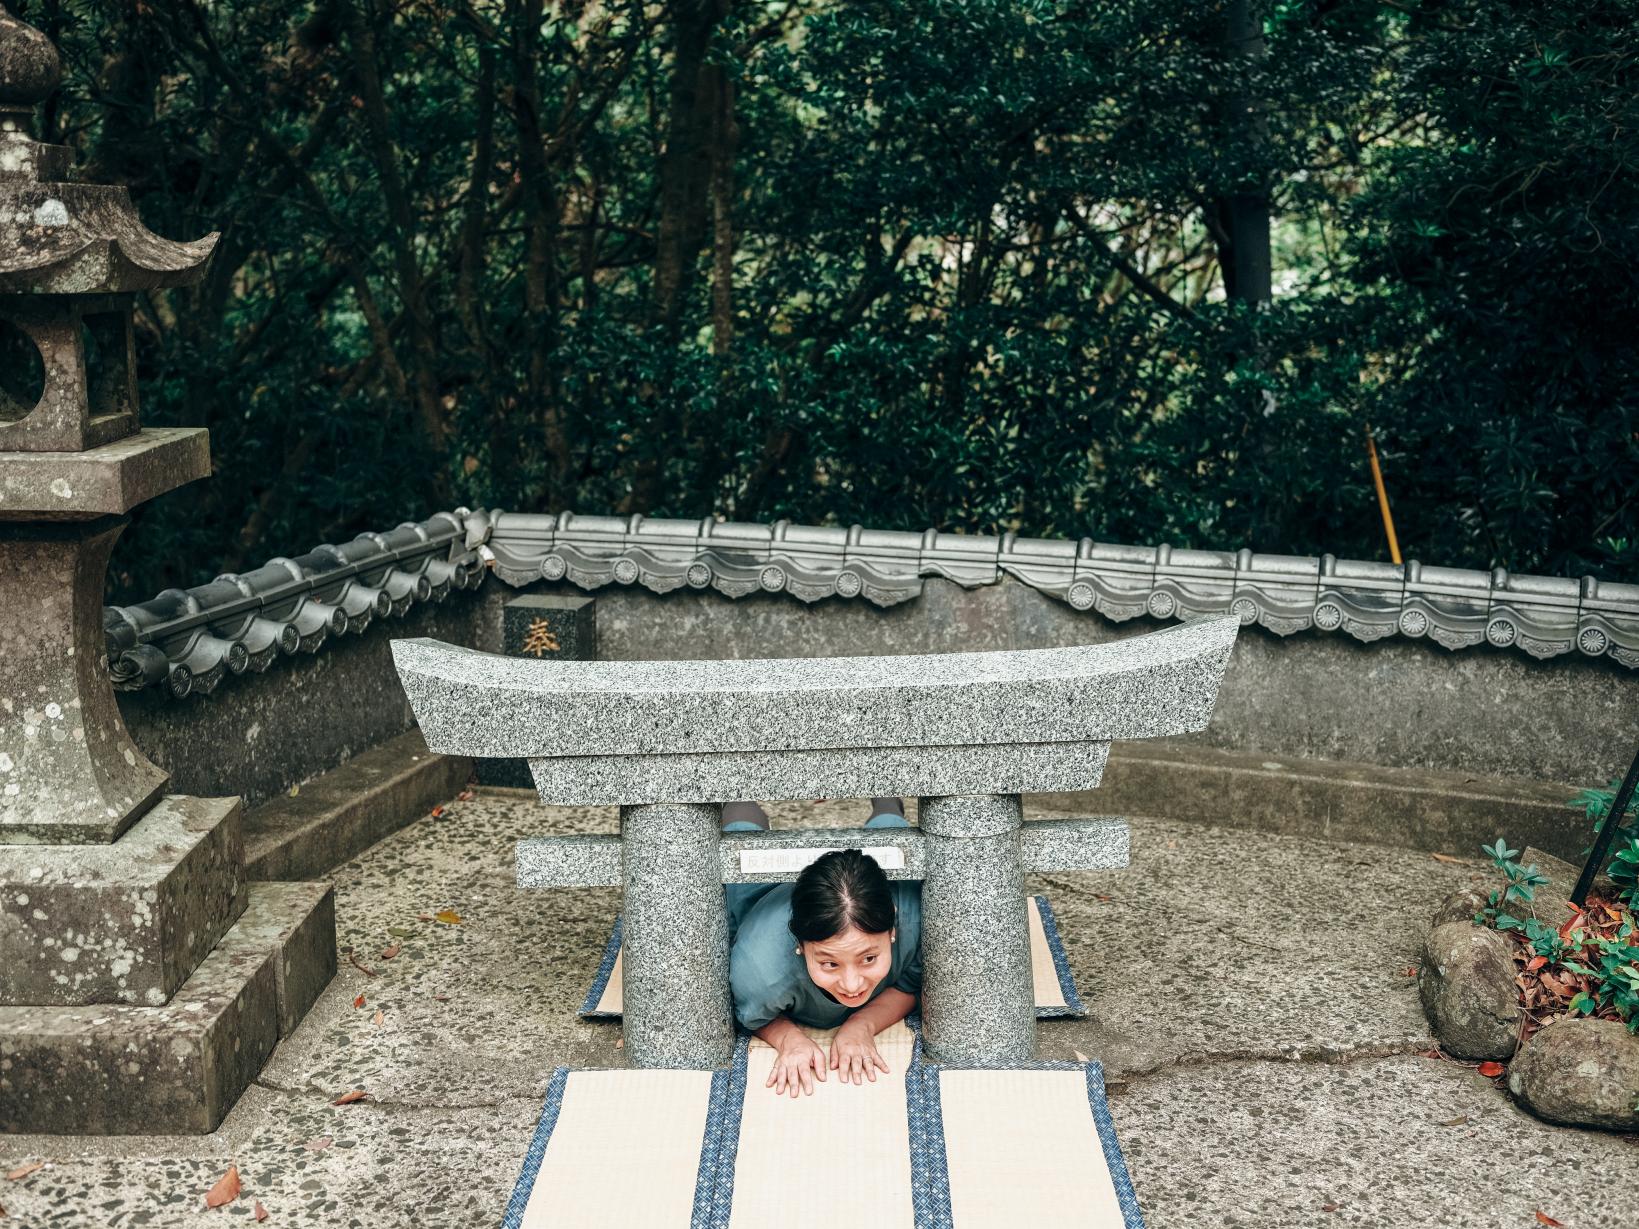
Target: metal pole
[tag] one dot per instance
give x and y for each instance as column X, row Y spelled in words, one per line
column 1607, row 834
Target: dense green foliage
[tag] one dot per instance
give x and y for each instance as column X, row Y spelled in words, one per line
column 980, row 264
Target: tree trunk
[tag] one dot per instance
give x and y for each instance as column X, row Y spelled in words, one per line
column 1243, row 214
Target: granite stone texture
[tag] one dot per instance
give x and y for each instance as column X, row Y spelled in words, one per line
column 1075, row 844
column 305, row 718
column 1046, row 845
column 978, row 1005
column 104, row 481
column 677, row 1007
column 69, row 773
column 609, row 780
column 545, row 626
column 121, row 923
column 482, row 704
column 1395, row 703
column 569, row 862
column 120, row 1070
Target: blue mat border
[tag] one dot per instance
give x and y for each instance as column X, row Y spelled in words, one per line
column 1073, row 1008
column 933, row 1167
column 720, row 1149
column 600, row 980
column 1073, row 1005
column 537, row 1149
column 930, row 1169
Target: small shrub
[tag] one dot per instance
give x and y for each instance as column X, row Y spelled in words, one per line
column 1586, row 966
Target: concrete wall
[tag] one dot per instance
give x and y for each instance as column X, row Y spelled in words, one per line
column 1397, row 703
column 259, row 734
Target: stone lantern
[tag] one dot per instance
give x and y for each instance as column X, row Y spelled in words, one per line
column 74, row 460
column 142, row 981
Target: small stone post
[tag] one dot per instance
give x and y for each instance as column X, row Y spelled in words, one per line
column 675, row 937
column 978, row 1003
column 547, row 627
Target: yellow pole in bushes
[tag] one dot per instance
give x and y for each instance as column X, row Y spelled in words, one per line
column 1382, row 496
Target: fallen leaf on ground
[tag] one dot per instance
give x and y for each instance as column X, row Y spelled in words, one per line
column 259, row 1212
column 1411, row 971
column 226, row 1189
column 466, row 795
column 319, row 1144
column 387, row 953
column 359, row 964
column 23, row 1171
column 437, row 812
column 1535, row 963
column 1460, row 1121
column 379, row 1017
column 423, row 917
column 2, row 1211
column 347, row 1098
column 620, row 1043
column 1490, row 1070
column 441, row 998
column 1080, row 1057
column 1544, row 1219
column 1445, row 857
column 359, row 1002
column 448, row 916
column 400, row 932
column 1328, row 1207
column 1101, row 896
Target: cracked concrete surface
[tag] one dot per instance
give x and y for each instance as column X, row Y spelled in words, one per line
column 1247, row 995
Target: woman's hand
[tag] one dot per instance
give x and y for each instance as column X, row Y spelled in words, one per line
column 853, row 1053
column 798, row 1062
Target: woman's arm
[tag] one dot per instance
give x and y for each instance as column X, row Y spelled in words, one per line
column 853, row 1050
column 797, row 1060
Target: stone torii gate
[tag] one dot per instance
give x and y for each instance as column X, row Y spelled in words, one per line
column 670, row 741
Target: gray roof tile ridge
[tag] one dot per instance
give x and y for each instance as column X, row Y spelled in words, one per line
column 189, row 640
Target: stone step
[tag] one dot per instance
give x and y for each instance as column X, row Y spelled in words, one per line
column 120, row 1069
column 126, row 922
column 338, row 815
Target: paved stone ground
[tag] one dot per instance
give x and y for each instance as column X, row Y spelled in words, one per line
column 1248, row 995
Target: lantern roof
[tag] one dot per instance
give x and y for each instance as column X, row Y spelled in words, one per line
column 58, row 237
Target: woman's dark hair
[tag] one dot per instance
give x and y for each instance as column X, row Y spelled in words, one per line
column 844, row 888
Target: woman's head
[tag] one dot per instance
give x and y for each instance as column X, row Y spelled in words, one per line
column 842, row 916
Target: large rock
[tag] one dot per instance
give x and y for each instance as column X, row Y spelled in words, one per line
column 1580, row 1072
column 1468, row 991
column 1460, row 906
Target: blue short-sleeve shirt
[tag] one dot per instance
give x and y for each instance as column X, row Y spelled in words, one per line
column 769, row 976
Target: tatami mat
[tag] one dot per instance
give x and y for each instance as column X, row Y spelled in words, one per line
column 1055, row 987
column 924, row 1147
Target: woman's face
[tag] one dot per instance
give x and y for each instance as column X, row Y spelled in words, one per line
column 849, row 966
